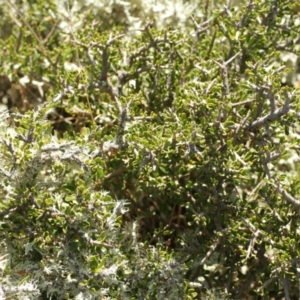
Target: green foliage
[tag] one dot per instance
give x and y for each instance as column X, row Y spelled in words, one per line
column 156, row 165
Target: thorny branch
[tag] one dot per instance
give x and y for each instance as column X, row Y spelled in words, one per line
column 211, row 250
column 289, row 198
column 275, row 114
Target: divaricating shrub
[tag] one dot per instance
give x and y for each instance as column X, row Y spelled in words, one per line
column 159, row 163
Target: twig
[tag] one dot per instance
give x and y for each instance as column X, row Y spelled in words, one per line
column 211, row 250
column 9, row 210
column 245, row 15
column 286, row 290
column 242, row 103
column 290, row 199
column 273, row 116
column 41, row 43
column 115, row 173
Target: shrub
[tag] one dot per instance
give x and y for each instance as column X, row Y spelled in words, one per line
column 156, row 165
